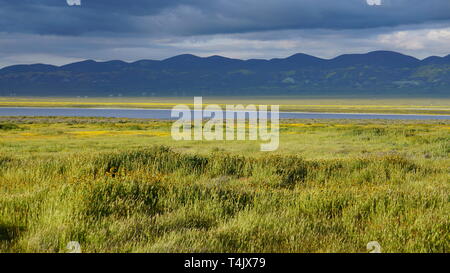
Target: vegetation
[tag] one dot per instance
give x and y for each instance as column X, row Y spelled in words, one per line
column 287, row 103
column 122, row 185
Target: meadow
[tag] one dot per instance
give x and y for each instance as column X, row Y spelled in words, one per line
column 431, row 106
column 123, row 185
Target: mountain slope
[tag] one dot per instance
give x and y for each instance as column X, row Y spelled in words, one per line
column 377, row 73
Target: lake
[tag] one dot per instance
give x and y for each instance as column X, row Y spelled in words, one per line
column 165, row 114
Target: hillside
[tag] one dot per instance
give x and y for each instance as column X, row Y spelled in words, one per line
column 374, row 73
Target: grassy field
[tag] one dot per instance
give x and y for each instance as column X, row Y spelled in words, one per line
column 122, row 185
column 296, row 104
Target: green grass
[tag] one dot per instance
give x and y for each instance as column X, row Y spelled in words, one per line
column 119, row 185
column 287, row 103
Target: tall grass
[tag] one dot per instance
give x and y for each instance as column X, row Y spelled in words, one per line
column 159, row 200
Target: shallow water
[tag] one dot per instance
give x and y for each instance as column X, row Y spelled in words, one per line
column 165, row 114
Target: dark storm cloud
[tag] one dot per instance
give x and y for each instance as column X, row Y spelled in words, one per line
column 197, row 17
column 51, row 31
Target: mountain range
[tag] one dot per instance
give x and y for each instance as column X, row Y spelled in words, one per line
column 373, row 73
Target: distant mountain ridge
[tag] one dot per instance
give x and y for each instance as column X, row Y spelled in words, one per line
column 377, row 72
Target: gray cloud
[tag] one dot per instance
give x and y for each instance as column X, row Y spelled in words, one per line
column 196, row 17
column 54, row 32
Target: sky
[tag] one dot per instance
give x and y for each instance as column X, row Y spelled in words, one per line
column 63, row 31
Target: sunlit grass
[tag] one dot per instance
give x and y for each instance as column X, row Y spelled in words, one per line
column 296, row 104
column 123, row 185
